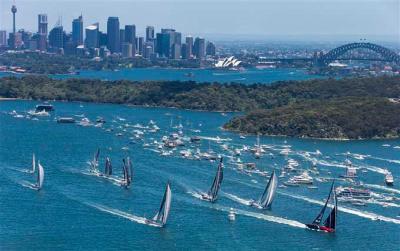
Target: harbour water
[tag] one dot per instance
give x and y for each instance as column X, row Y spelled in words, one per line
column 76, row 210
column 247, row 76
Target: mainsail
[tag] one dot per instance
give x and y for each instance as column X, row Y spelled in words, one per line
column 40, row 176
column 319, row 217
column 267, row 197
column 33, row 163
column 95, row 161
column 128, row 172
column 108, row 167
column 213, row 192
column 331, row 220
column 162, row 214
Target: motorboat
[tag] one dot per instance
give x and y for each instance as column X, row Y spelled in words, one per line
column 304, row 178
column 389, row 180
column 354, row 193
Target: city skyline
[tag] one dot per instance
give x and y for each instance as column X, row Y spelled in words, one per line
column 259, row 20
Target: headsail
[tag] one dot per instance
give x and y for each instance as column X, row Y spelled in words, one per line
column 40, row 176
column 128, row 172
column 33, row 163
column 213, row 192
column 269, row 192
column 95, row 161
column 162, row 214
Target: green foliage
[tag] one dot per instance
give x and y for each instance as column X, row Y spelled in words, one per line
column 330, row 108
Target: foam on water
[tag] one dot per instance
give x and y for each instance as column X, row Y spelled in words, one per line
column 237, row 199
column 364, row 214
column 384, row 188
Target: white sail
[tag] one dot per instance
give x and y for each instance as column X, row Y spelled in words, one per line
column 269, row 193
column 33, row 163
column 162, row 214
column 40, row 176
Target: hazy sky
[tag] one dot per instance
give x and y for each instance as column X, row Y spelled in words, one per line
column 262, row 19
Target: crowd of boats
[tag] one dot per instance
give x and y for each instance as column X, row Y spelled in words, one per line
column 177, row 144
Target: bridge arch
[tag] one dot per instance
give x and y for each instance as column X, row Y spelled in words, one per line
column 334, row 54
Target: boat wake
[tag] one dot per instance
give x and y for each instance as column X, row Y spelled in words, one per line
column 28, row 185
column 364, row 214
column 387, row 189
column 270, row 218
column 237, row 199
column 113, row 180
column 383, row 159
column 113, row 211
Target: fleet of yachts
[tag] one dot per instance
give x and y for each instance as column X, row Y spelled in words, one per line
column 176, row 143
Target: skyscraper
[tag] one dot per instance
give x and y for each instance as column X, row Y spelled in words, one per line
column 3, row 38
column 42, row 24
column 149, row 33
column 210, row 49
column 189, row 47
column 77, row 31
column 42, row 32
column 130, row 36
column 199, row 47
column 127, row 50
column 113, row 42
column 56, row 37
column 92, row 36
column 140, row 44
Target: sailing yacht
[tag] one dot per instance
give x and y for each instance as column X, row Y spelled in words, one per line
column 160, row 219
column 213, row 192
column 94, row 164
column 267, row 197
column 128, row 172
column 329, row 224
column 40, row 177
column 108, row 167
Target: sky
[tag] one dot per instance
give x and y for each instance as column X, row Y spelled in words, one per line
column 224, row 19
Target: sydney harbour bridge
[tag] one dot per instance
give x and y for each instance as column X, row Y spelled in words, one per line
column 377, row 53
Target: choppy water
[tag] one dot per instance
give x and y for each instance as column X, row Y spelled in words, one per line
column 75, row 210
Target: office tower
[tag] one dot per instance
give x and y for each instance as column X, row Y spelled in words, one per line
column 178, row 38
column 176, row 51
column 199, row 47
column 149, row 33
column 77, row 31
column 3, row 38
column 210, row 49
column 121, row 38
column 42, row 24
column 130, row 36
column 140, row 44
column 165, row 40
column 92, row 36
column 56, row 37
column 113, row 42
column 42, row 32
column 26, row 36
column 184, row 52
column 103, row 40
column 189, row 47
column 127, row 50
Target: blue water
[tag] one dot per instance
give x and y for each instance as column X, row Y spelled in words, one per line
column 75, row 210
column 247, row 76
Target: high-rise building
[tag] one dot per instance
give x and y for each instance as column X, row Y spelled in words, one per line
column 42, row 32
column 121, row 38
column 149, row 33
column 42, row 24
column 3, row 38
column 199, row 47
column 210, row 49
column 165, row 40
column 92, row 36
column 189, row 47
column 140, row 44
column 77, row 31
column 184, row 51
column 56, row 37
column 127, row 50
column 113, row 34
column 176, row 51
column 130, row 36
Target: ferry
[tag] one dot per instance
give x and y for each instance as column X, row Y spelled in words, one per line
column 348, row 192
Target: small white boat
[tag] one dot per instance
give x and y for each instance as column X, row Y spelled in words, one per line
column 389, row 180
column 231, row 215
